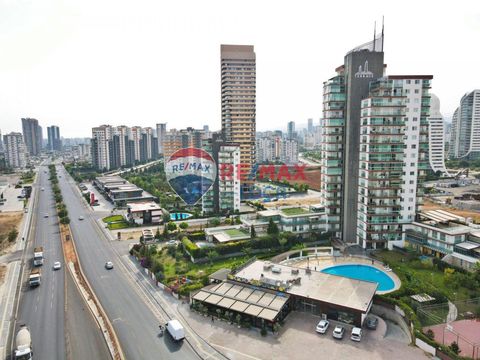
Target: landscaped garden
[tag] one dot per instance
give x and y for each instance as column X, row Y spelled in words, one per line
column 115, row 222
column 431, row 276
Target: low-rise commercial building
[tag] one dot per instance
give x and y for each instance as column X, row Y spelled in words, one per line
column 263, row 293
column 120, row 192
column 143, row 213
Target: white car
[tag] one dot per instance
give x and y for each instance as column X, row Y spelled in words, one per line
column 80, row 218
column 322, row 326
column 356, row 334
column 57, row 265
column 45, row 215
column 171, row 242
column 109, row 265
column 43, row 189
column 338, row 332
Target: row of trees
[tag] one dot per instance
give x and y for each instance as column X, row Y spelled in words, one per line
column 57, row 195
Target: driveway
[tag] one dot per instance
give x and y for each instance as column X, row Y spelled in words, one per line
column 298, row 340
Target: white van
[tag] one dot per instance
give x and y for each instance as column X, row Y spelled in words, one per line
column 356, row 334
column 176, row 330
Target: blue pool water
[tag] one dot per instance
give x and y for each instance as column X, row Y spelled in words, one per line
column 180, row 216
column 363, row 272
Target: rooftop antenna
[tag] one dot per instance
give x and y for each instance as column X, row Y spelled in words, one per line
column 374, row 34
column 383, row 30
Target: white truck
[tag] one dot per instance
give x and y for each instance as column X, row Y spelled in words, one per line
column 23, row 344
column 34, row 278
column 38, row 256
column 176, row 330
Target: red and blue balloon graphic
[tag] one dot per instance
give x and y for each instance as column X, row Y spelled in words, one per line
column 191, row 172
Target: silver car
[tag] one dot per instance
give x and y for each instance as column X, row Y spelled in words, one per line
column 338, row 332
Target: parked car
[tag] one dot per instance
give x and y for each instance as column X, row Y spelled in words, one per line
column 171, row 242
column 57, row 265
column 338, row 332
column 109, row 265
column 80, row 218
column 372, row 323
column 43, row 189
column 322, row 326
column 356, row 334
column 45, row 215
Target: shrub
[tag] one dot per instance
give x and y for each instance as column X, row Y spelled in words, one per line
column 171, row 226
column 263, row 332
column 65, row 220
column 12, row 235
column 183, row 225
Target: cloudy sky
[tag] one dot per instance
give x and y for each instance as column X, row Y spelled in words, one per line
column 79, row 64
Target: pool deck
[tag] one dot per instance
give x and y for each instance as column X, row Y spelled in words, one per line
column 322, row 262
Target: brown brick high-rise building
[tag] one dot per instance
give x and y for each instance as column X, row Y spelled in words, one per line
column 238, row 88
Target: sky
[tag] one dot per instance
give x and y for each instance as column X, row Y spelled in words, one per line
column 79, row 64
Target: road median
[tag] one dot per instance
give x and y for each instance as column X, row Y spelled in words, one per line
column 75, row 268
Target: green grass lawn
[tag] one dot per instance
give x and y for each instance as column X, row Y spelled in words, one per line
column 422, row 274
column 117, row 225
column 113, row 218
column 235, row 232
column 294, row 211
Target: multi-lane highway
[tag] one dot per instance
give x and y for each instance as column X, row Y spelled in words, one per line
column 134, row 319
column 43, row 308
column 60, row 323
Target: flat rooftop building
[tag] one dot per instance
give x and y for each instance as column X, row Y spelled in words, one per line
column 336, row 297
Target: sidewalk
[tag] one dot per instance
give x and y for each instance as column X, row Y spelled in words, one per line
column 169, row 308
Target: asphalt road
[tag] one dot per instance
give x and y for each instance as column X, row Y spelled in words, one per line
column 135, row 319
column 42, row 308
column 84, row 338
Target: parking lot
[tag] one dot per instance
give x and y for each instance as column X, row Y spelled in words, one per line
column 297, row 339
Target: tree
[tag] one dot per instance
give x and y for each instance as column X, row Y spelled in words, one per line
column 253, row 234
column 183, row 225
column 215, row 222
column 272, row 228
column 65, row 220
column 430, row 334
column 454, row 347
column 212, row 255
column 157, row 234
column 165, row 231
column 171, row 226
column 12, row 235
column 62, row 213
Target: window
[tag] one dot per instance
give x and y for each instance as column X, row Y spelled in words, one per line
column 417, row 81
column 414, row 146
column 416, row 92
column 408, row 81
column 412, row 172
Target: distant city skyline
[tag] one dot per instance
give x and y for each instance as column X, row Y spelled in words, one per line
column 75, row 67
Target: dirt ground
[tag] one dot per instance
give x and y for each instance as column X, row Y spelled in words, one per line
column 312, row 178
column 3, row 271
column 428, row 205
column 8, row 221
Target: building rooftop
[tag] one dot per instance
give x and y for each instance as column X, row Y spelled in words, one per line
column 143, row 206
column 244, row 298
column 342, row 291
column 467, row 245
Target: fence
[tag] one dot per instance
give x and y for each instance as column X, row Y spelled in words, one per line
column 454, row 322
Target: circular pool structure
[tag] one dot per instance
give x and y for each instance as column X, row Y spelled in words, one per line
column 363, row 272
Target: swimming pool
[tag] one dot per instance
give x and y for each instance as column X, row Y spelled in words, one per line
column 363, row 272
column 180, row 216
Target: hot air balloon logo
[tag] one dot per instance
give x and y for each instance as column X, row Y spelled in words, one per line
column 191, row 172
